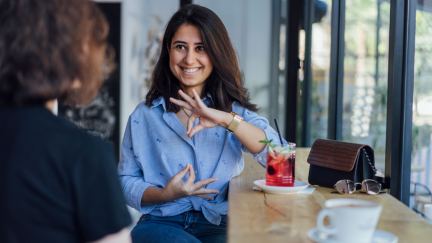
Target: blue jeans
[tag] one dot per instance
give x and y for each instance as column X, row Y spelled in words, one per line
column 188, row 227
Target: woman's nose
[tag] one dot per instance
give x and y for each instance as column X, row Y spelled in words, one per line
column 190, row 57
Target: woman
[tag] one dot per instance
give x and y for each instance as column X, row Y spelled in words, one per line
column 58, row 183
column 184, row 144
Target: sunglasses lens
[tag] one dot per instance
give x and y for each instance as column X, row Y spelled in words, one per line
column 345, row 186
column 371, row 187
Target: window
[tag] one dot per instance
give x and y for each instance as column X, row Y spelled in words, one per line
column 365, row 74
column 321, row 33
column 421, row 155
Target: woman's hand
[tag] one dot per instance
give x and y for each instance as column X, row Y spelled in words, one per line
column 195, row 108
column 178, row 188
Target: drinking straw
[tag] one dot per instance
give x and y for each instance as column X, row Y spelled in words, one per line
column 278, row 131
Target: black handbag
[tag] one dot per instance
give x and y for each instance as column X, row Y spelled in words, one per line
column 331, row 161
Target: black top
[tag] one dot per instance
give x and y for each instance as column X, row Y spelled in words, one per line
column 57, row 183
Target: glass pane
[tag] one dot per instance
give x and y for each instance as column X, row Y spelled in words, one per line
column 421, row 156
column 320, row 73
column 321, row 33
column 365, row 74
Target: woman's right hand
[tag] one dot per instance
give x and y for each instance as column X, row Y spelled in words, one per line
column 178, row 188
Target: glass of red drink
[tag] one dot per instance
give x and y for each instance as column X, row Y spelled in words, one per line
column 280, row 169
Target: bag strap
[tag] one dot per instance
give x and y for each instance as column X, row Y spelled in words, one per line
column 369, row 161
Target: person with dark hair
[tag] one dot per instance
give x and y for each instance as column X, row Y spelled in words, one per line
column 58, row 183
column 183, row 145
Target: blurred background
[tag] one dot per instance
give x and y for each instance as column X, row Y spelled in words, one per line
column 355, row 70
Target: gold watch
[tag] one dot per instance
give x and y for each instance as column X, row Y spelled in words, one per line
column 234, row 122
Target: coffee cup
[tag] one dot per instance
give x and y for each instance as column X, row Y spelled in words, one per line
column 349, row 220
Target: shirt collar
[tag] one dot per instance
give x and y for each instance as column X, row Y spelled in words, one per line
column 159, row 101
column 208, row 100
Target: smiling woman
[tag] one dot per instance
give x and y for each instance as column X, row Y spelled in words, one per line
column 210, row 39
column 184, row 144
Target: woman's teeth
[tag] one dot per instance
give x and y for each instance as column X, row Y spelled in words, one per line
column 190, row 70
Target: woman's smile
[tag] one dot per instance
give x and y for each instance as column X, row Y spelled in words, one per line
column 190, row 71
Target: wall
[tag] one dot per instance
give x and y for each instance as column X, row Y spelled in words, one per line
column 143, row 24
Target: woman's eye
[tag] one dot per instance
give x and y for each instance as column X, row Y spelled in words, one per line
column 200, row 48
column 180, row 47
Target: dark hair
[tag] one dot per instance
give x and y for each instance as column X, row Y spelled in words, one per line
column 46, row 45
column 225, row 84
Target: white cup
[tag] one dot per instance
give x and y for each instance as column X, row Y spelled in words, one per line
column 350, row 220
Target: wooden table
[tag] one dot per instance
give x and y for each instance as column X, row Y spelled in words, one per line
column 287, row 218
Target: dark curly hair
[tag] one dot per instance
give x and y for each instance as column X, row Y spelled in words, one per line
column 225, row 83
column 46, row 46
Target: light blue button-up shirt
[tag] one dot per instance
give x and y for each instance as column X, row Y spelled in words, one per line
column 155, row 147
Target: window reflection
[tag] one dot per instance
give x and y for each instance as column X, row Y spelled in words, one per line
column 422, row 109
column 321, row 33
column 320, row 73
column 365, row 74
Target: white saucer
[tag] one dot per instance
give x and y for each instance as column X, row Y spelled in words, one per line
column 298, row 186
column 379, row 236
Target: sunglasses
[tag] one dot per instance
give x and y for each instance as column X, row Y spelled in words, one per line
column 368, row 186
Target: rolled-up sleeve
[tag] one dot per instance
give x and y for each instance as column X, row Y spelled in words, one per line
column 262, row 123
column 131, row 175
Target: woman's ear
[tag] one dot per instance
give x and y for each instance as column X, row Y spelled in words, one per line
column 85, row 47
column 76, row 84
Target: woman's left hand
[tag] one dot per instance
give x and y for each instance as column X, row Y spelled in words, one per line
column 208, row 117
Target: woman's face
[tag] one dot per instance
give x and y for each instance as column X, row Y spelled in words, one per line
column 189, row 61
